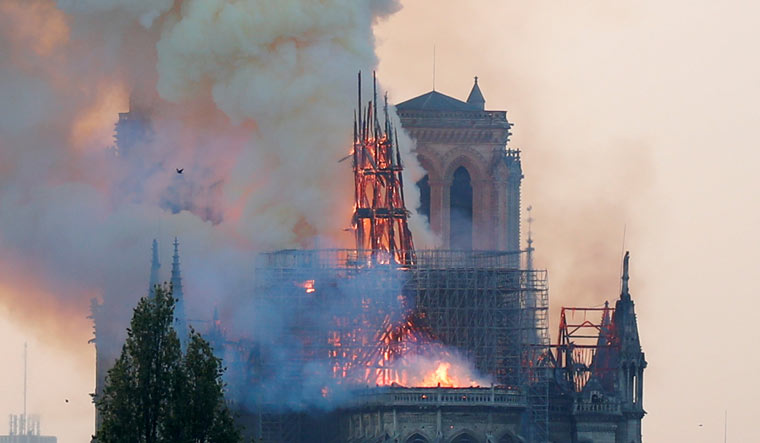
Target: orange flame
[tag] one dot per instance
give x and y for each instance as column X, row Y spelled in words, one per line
column 308, row 285
column 441, row 374
column 440, row 377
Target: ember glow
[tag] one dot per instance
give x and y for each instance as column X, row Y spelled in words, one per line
column 308, row 286
column 445, row 371
column 407, row 354
column 440, row 377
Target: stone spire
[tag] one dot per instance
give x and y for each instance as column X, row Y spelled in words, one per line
column 180, row 320
column 607, row 356
column 625, row 316
column 155, row 266
column 632, row 361
column 476, row 97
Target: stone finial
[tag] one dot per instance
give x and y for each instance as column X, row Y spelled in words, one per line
column 476, row 96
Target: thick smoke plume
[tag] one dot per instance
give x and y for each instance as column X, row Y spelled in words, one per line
column 251, row 99
column 322, row 334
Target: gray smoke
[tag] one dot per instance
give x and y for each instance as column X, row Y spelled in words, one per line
column 252, row 99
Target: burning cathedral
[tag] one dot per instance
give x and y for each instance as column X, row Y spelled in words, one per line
column 387, row 343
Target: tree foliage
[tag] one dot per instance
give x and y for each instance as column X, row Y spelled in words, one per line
column 154, row 393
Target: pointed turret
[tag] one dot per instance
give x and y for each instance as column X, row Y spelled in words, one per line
column 155, row 266
column 604, row 364
column 180, row 320
column 476, row 97
column 606, row 330
column 631, row 361
column 625, row 316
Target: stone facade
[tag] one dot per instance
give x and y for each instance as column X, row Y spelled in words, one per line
column 451, row 135
column 467, row 415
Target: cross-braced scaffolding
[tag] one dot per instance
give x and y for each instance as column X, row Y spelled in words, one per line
column 536, row 361
column 476, row 302
column 588, row 348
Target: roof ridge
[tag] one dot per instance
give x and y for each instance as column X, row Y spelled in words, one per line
column 436, row 101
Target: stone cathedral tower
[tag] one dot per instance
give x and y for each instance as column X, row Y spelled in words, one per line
column 471, row 194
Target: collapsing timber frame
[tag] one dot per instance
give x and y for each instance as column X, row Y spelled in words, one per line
column 380, row 215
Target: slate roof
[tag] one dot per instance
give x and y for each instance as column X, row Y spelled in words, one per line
column 435, row 101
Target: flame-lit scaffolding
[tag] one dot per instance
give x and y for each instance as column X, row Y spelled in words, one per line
column 380, row 215
column 476, row 302
column 471, row 301
column 588, row 347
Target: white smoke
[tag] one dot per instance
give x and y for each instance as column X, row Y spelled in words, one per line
column 253, row 99
column 146, row 11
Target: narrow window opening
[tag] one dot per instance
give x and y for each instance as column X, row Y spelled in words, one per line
column 424, row 208
column 461, row 210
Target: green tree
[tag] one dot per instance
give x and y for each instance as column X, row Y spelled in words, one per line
column 154, row 394
column 207, row 418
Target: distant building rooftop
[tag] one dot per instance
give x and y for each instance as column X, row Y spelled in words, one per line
column 27, row 439
column 435, row 101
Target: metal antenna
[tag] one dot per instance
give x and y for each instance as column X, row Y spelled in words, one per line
column 433, row 66
column 529, row 257
column 622, row 248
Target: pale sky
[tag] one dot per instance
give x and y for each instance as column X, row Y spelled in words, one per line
column 637, row 116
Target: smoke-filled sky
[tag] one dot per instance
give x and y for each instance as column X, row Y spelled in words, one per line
column 633, row 117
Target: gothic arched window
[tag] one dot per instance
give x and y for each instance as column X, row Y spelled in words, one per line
column 464, row 438
column 416, row 438
column 460, row 204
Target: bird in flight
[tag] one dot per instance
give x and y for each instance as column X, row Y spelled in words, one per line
column 179, row 170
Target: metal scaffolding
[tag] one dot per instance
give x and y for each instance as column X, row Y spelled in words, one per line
column 477, row 302
column 536, row 362
column 588, row 348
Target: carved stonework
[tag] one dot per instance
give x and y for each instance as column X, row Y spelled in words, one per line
column 451, row 134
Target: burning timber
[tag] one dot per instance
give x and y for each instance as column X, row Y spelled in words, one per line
column 477, row 302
